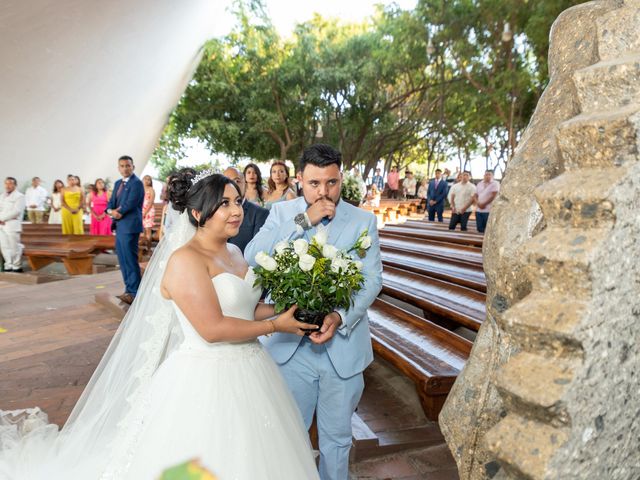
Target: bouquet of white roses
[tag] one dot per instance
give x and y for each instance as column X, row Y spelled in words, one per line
column 316, row 276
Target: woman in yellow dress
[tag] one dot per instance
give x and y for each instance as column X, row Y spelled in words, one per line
column 72, row 201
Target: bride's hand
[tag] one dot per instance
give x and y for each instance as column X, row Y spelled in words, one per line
column 286, row 323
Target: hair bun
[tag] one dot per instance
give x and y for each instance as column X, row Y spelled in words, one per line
column 178, row 188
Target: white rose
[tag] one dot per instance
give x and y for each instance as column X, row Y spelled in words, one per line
column 365, row 242
column 338, row 264
column 266, row 262
column 281, row 247
column 329, row 251
column 301, row 246
column 306, row 262
column 322, row 235
column 358, row 265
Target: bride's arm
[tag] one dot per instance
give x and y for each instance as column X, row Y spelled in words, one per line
column 198, row 300
column 264, row 311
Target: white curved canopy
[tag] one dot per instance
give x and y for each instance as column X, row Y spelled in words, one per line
column 85, row 81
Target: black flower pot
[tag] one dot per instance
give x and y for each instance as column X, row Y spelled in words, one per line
column 308, row 316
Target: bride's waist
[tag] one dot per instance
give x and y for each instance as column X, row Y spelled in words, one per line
column 219, row 348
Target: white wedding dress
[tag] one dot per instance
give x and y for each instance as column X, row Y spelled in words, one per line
column 223, row 403
column 162, row 395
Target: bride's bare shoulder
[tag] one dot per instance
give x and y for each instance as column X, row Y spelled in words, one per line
column 186, row 257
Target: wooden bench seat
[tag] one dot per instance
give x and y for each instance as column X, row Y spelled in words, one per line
column 461, row 238
column 471, row 276
column 431, row 356
column 100, row 242
column 77, row 257
column 433, row 249
column 437, row 298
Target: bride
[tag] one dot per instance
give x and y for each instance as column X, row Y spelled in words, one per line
column 184, row 376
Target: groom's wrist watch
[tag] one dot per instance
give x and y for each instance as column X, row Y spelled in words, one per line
column 302, row 220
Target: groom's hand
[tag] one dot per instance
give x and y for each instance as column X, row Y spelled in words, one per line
column 328, row 329
column 323, row 207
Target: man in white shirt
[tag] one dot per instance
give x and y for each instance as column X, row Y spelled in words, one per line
column 35, row 198
column 461, row 197
column 11, row 212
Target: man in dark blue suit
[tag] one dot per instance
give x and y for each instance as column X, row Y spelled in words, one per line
column 436, row 193
column 254, row 215
column 125, row 207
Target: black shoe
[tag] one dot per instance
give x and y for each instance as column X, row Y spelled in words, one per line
column 17, row 270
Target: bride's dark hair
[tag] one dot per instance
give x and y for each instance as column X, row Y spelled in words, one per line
column 204, row 197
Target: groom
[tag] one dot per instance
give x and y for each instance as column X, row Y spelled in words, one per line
column 324, row 370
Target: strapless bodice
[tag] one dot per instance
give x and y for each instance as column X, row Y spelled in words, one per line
column 238, row 298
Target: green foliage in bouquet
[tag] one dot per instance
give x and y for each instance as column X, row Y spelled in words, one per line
column 315, row 276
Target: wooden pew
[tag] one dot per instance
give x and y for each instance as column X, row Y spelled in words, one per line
column 445, row 301
column 431, row 356
column 77, row 257
column 471, row 276
column 433, row 249
column 462, row 238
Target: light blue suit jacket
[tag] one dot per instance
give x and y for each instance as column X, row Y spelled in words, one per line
column 350, row 349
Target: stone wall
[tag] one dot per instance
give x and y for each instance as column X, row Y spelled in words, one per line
column 551, row 388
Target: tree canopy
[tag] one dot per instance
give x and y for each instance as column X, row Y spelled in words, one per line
column 454, row 78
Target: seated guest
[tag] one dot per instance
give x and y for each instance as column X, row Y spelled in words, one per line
column 97, row 205
column 422, row 192
column 254, row 215
column 372, row 198
column 12, row 205
column 486, row 192
column 253, row 181
column 462, row 196
column 279, row 187
column 55, row 214
column 35, row 198
column 436, row 193
column 72, row 203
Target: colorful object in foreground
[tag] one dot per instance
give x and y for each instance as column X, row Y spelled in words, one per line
column 191, row 470
column 316, row 276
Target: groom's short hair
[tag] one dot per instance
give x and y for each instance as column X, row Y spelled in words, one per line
column 320, row 155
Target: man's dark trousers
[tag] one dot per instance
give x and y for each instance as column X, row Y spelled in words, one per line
column 127, row 250
column 433, row 209
column 459, row 218
column 481, row 221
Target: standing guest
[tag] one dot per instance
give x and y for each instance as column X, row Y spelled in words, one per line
column 279, row 188
column 462, row 196
column 55, row 214
column 97, row 205
column 125, row 207
column 254, row 215
column 377, row 180
column 409, row 185
column 436, row 194
column 35, row 198
column 163, row 192
column 324, row 370
column 12, row 204
column 486, row 192
column 422, row 192
column 148, row 209
column 393, row 180
column 446, row 174
column 253, row 181
column 72, row 202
